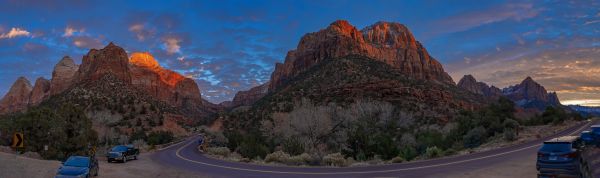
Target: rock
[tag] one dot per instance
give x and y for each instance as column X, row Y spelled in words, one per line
column 247, row 98
column 40, row 91
column 62, row 75
column 17, row 98
column 530, row 94
column 165, row 85
column 469, row 83
column 391, row 43
column 109, row 60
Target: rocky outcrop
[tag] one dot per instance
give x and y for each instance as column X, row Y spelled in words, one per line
column 391, row 43
column 40, row 91
column 109, row 60
column 62, row 75
column 165, row 85
column 17, row 98
column 469, row 83
column 247, row 98
column 527, row 90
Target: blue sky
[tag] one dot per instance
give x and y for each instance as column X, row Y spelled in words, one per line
column 229, row 46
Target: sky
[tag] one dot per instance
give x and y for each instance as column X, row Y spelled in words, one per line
column 228, row 46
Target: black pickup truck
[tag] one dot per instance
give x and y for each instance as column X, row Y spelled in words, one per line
column 122, row 153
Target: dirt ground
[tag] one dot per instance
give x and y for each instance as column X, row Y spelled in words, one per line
column 12, row 166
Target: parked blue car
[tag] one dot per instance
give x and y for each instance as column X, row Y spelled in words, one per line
column 596, row 132
column 587, row 137
column 78, row 166
column 559, row 156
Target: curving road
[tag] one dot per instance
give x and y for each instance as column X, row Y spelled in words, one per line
column 185, row 156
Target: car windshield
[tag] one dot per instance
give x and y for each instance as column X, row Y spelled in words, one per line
column 77, row 162
column 556, row 147
column 119, row 148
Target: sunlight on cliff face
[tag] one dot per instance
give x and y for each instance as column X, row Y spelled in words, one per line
column 146, row 60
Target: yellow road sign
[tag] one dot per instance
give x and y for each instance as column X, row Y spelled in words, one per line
column 18, row 140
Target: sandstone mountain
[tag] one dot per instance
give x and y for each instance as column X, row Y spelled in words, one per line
column 388, row 42
column 62, row 76
column 140, row 72
column 528, row 94
column 342, row 65
column 249, row 97
column 469, row 83
column 17, row 98
column 391, row 43
column 40, row 91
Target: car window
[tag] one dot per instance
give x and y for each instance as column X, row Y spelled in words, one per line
column 119, row 148
column 556, row 147
column 77, row 162
column 596, row 129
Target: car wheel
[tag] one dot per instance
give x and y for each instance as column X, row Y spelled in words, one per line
column 124, row 159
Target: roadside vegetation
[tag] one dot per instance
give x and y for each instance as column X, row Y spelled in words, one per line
column 371, row 132
column 66, row 131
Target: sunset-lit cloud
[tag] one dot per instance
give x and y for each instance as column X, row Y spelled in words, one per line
column 171, row 45
column 15, row 32
column 140, row 30
column 70, row 31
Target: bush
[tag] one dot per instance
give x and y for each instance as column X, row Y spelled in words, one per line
column 278, row 156
column 160, row 137
column 408, row 153
column 510, row 135
column 433, row 152
column 301, row 159
column 475, row 137
column 221, row 151
column 335, row 159
column 449, row 151
column 398, row 159
column 293, row 146
column 252, row 149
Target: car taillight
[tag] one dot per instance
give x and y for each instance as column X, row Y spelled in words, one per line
column 570, row 155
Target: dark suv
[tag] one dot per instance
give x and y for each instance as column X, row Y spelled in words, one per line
column 559, row 156
column 122, row 153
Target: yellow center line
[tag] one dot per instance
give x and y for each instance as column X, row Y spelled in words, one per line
column 360, row 172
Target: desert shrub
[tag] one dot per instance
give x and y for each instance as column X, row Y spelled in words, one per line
column 138, row 135
column 221, row 151
column 408, row 153
column 160, row 137
column 278, row 156
column 398, row 159
column 335, row 159
column 250, row 148
column 511, row 124
column 301, row 159
column 293, row 146
column 475, row 137
column 433, row 152
column 510, row 135
column 449, row 151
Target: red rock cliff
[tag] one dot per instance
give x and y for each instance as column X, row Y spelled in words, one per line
column 166, row 85
column 109, row 60
column 387, row 42
column 17, row 98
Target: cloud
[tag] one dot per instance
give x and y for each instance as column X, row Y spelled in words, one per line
column 70, row 31
column 172, row 45
column 87, row 42
column 140, row 31
column 15, row 32
column 468, row 20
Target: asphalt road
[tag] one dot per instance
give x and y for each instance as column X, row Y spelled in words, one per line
column 185, row 156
